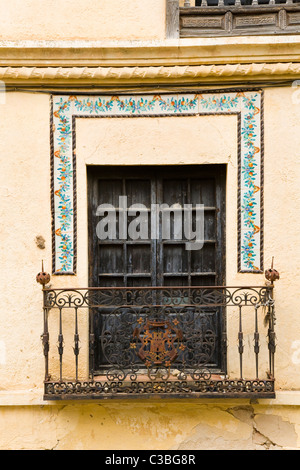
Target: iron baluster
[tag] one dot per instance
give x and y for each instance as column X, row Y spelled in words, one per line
column 271, row 275
column 256, row 342
column 271, row 339
column 224, row 348
column 45, row 338
column 60, row 344
column 76, row 343
column 92, row 344
column 241, row 341
column 43, row 278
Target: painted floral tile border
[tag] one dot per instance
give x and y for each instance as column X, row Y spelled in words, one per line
column 247, row 105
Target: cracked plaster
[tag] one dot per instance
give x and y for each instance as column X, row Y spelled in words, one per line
column 150, row 425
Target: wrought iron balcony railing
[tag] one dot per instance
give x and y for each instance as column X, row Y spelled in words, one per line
column 159, row 341
column 239, row 17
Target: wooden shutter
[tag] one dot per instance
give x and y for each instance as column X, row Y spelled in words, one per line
column 158, row 261
column 155, row 262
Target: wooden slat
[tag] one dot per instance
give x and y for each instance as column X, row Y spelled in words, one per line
column 240, row 19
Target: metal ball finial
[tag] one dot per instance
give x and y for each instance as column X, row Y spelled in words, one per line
column 271, row 274
column 43, row 277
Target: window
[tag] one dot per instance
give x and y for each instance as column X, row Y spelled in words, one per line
column 160, row 256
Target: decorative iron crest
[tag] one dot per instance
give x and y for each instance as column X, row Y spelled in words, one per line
column 160, row 342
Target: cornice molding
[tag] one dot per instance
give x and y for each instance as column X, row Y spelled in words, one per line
column 170, row 52
column 148, row 75
column 208, row 60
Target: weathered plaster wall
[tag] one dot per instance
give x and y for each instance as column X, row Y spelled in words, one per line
column 282, row 236
column 82, row 20
column 25, row 215
column 149, row 425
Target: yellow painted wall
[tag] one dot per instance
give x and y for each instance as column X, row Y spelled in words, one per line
column 52, row 20
column 25, row 215
column 144, row 425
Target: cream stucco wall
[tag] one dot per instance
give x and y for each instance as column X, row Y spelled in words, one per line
column 25, row 214
column 120, row 42
column 82, row 20
column 150, row 426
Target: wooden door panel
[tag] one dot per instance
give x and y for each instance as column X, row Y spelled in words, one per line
column 174, row 191
column 204, row 260
column 138, row 191
column 203, row 191
column 109, row 190
column 139, row 259
column 110, row 259
column 175, row 259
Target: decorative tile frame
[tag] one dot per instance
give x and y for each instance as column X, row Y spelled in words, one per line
column 246, row 105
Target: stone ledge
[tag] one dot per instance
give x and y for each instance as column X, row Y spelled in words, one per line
column 34, row 397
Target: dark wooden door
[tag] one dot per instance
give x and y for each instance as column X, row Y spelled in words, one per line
column 153, row 259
